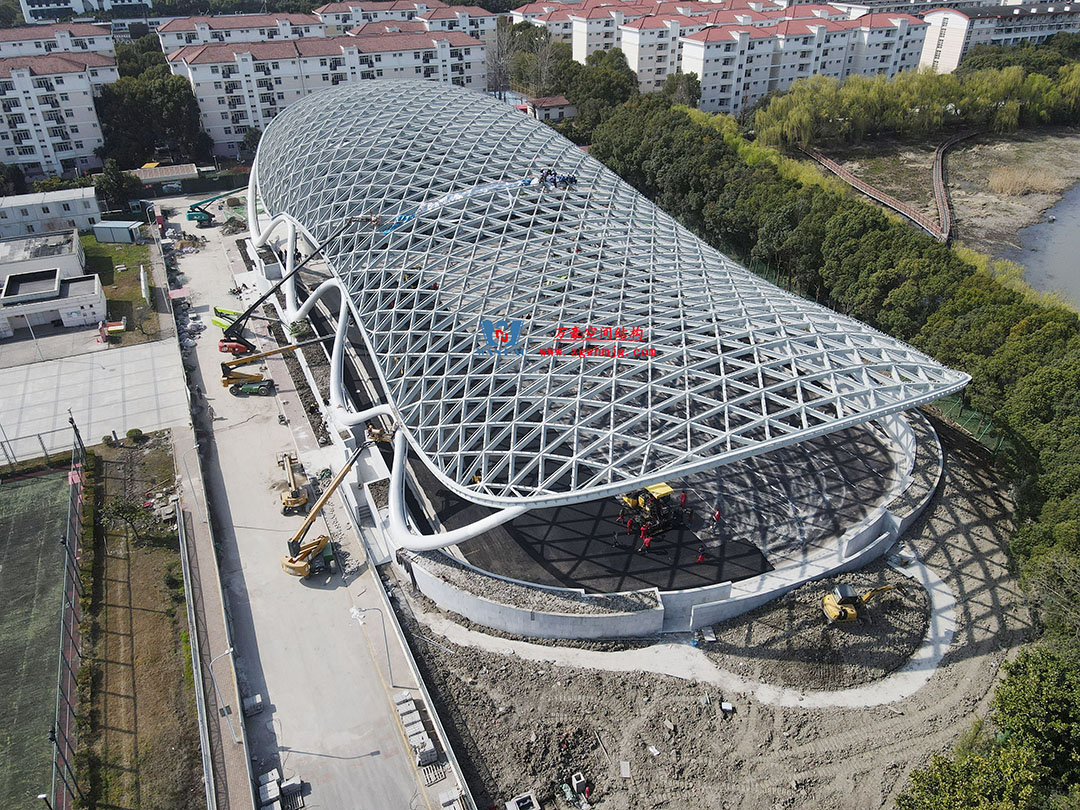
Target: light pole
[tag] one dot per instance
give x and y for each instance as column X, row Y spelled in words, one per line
column 221, row 703
column 45, row 799
column 386, row 643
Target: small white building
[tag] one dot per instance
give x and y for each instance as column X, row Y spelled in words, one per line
column 550, row 108
column 340, row 17
column 43, row 298
column 49, row 211
column 117, row 230
column 43, row 281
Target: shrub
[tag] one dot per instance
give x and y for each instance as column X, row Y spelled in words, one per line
column 135, row 435
column 107, row 440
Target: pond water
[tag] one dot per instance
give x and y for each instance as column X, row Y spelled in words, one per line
column 1051, row 250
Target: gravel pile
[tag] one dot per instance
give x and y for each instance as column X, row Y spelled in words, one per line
column 380, row 492
column 522, row 596
column 789, row 642
column 307, row 398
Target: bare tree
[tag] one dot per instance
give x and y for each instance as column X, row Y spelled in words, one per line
column 499, row 53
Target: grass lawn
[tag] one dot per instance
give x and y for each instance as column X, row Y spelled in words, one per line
column 32, row 516
column 123, row 290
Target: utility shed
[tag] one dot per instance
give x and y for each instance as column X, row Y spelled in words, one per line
column 117, row 230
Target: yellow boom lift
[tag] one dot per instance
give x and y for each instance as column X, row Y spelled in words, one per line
column 316, row 555
column 842, row 604
column 295, row 497
column 239, row 382
column 654, row 508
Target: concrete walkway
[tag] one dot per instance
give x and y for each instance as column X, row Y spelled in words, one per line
column 680, row 660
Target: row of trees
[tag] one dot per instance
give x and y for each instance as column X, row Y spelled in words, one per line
column 917, row 104
column 1023, row 355
column 1047, row 58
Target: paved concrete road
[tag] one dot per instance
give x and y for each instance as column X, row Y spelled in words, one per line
column 129, row 387
column 325, row 678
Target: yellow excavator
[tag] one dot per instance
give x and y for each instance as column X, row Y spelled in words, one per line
column 653, row 508
column 843, row 604
column 295, row 497
column 239, row 382
column 315, row 556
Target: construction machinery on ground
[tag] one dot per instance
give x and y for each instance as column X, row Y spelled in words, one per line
column 294, row 498
column 316, row 556
column 843, row 604
column 197, row 212
column 239, row 382
column 653, row 509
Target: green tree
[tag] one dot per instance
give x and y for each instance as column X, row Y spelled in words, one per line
column 155, row 110
column 58, row 183
column 682, row 88
column 133, row 58
column 251, row 139
column 11, row 180
column 1002, row 777
column 115, row 186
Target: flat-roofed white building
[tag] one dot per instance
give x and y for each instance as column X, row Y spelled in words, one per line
column 48, row 106
column 38, row 40
column 954, row 31
column 340, row 17
column 245, row 85
column 238, row 28
column 38, row 10
column 22, row 214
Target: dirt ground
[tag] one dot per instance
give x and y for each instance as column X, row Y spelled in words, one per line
column 518, row 725
column 146, row 743
column 788, row 643
column 983, row 219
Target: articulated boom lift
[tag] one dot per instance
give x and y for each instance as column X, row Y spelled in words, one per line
column 239, row 382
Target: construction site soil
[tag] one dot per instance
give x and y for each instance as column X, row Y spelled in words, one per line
column 788, row 642
column 518, row 725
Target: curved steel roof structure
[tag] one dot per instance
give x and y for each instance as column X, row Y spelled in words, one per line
column 473, row 277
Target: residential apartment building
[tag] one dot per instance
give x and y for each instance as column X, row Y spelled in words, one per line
column 35, row 11
column 49, row 124
column 68, row 208
column 598, row 28
column 340, row 17
column 739, row 64
column 953, row 32
column 38, row 40
column 472, row 20
column 183, row 31
column 244, row 85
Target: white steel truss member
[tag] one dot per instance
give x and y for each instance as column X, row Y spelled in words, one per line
column 733, row 366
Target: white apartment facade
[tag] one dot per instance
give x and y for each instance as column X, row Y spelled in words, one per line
column 954, row 31
column 472, row 20
column 38, row 40
column 35, row 11
column 598, row 28
column 340, row 17
column 737, row 65
column 652, row 47
column 248, row 84
column 50, row 124
column 183, row 31
column 21, row 214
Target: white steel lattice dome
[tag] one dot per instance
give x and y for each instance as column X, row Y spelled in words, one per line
column 741, row 367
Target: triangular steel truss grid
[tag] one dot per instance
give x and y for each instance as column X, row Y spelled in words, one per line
column 741, row 366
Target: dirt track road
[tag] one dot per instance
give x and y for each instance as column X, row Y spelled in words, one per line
column 519, row 724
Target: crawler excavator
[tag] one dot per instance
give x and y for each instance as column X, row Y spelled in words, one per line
column 315, row 556
column 842, row 604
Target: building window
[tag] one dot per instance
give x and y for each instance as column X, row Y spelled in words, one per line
column 66, row 207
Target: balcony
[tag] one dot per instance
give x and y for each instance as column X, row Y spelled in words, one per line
column 229, row 70
column 239, row 117
column 336, row 63
column 264, row 84
column 44, row 84
column 55, row 117
column 232, row 87
column 263, row 69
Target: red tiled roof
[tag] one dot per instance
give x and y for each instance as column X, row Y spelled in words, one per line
column 558, row 15
column 882, row 20
column 451, row 12
column 28, row 33
column 219, row 52
column 385, row 5
column 550, row 101
column 54, row 63
column 232, row 21
column 387, row 27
